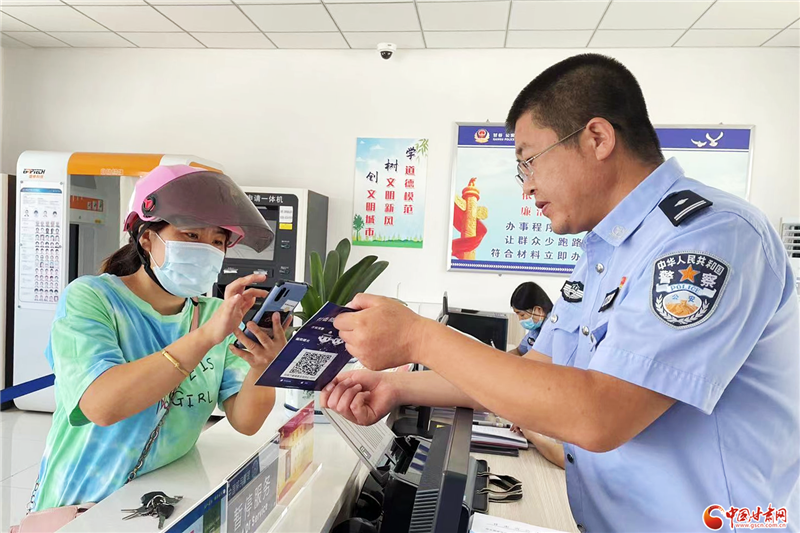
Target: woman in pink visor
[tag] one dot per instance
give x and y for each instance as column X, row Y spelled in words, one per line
column 141, row 357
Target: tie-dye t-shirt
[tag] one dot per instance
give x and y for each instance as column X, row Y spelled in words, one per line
column 100, row 323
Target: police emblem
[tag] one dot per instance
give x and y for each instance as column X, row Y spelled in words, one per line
column 572, row 291
column 481, row 136
column 687, row 287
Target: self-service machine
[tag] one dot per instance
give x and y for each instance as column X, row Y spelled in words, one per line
column 299, row 218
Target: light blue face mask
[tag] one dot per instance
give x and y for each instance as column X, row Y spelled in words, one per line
column 189, row 269
column 530, row 325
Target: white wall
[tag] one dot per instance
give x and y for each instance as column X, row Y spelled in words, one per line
column 3, row 274
column 2, row 85
column 290, row 118
column 3, row 237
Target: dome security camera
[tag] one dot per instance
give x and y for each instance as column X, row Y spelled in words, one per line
column 387, row 50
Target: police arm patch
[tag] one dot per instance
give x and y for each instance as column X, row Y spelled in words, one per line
column 687, row 287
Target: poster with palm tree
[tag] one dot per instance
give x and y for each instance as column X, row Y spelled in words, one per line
column 389, row 192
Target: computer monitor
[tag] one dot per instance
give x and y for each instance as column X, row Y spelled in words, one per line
column 439, row 505
column 489, row 328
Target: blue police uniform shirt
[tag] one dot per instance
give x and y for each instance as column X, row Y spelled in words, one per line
column 704, row 312
column 529, row 339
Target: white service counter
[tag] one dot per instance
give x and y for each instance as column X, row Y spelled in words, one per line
column 329, row 485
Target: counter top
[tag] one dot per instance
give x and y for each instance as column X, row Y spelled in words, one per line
column 219, row 452
column 544, row 502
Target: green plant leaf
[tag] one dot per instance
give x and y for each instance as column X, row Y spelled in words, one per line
column 331, row 273
column 311, row 303
column 345, row 285
column 302, row 316
column 370, row 274
column 343, row 249
column 317, row 279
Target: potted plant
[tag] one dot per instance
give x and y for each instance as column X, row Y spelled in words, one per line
column 330, row 282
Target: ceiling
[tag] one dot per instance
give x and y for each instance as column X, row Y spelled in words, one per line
column 334, row 24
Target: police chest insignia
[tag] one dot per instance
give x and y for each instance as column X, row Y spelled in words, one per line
column 572, row 291
column 687, row 287
column 683, row 205
column 608, row 301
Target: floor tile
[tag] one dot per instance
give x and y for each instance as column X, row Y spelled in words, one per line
column 23, row 480
column 13, row 504
column 17, row 455
column 25, row 424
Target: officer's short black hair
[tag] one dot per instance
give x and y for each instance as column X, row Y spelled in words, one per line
column 569, row 94
column 530, row 295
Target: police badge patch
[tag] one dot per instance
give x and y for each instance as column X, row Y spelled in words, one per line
column 608, row 301
column 687, row 287
column 572, row 291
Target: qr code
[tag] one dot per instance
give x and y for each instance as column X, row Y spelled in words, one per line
column 309, row 365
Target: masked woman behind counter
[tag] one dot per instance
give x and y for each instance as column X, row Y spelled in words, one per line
column 532, row 306
column 141, row 359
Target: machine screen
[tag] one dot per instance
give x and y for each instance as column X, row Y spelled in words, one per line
column 245, row 252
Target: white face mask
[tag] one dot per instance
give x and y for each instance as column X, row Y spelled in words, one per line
column 189, row 268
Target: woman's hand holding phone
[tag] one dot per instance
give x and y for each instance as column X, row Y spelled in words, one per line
column 282, row 299
column 238, row 301
column 260, row 353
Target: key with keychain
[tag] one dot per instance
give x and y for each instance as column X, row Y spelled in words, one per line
column 156, row 504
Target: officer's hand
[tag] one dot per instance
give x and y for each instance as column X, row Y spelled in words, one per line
column 363, row 397
column 382, row 334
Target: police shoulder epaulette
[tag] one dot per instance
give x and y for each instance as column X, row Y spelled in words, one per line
column 682, row 205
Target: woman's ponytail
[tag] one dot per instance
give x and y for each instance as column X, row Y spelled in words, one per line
column 126, row 260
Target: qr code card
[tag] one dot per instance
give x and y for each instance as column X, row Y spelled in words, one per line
column 313, row 356
column 309, row 365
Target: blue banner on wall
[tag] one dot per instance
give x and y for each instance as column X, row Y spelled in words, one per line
column 709, row 139
column 485, row 135
column 497, row 228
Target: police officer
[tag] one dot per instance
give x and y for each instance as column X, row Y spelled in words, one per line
column 675, row 359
